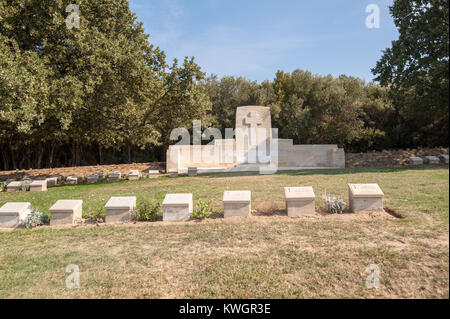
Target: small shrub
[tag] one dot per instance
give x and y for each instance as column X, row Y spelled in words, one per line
column 96, row 214
column 34, row 219
column 147, row 211
column 2, row 187
column 26, row 185
column 203, row 211
column 334, row 205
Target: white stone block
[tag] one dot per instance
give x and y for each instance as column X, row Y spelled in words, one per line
column 173, row 173
column 153, row 174
column 415, row 161
column 92, row 179
column 444, row 159
column 9, row 180
column 300, row 201
column 115, row 176
column 120, row 209
column 192, row 171
column 66, row 212
column 73, row 180
column 52, row 181
column 432, row 160
column 134, row 175
column 12, row 213
column 38, row 186
column 177, row 207
column 237, row 203
column 365, row 197
column 14, row 186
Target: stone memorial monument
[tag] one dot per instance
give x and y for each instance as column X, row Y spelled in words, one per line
column 256, row 147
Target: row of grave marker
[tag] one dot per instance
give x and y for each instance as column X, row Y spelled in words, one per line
column 41, row 185
column 414, row 160
column 178, row 207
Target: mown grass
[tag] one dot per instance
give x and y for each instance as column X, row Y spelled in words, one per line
column 267, row 256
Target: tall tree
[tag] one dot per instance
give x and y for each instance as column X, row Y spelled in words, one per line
column 416, row 68
column 107, row 85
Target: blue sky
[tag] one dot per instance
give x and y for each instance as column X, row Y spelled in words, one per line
column 255, row 38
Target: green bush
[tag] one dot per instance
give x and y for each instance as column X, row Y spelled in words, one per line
column 96, row 214
column 147, row 211
column 203, row 211
column 2, row 187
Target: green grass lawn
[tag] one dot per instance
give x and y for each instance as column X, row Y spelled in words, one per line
column 267, row 255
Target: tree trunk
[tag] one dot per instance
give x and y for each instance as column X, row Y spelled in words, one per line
column 78, row 157
column 40, row 154
column 51, row 155
column 129, row 153
column 5, row 158
column 74, row 154
column 100, row 154
column 13, row 158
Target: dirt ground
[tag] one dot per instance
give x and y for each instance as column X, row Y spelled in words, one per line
column 81, row 171
column 371, row 159
column 390, row 158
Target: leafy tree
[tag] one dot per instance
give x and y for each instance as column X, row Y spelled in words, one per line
column 228, row 93
column 105, row 84
column 416, row 69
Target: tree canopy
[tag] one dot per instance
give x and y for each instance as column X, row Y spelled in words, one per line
column 416, row 69
column 103, row 93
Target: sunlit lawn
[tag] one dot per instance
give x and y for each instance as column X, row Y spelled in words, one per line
column 267, row 255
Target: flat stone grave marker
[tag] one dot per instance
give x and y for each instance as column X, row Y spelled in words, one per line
column 92, row 179
column 66, row 212
column 12, row 213
column 432, row 160
column 444, row 159
column 120, row 209
column 237, row 203
column 73, row 180
column 365, row 197
column 300, row 201
column 14, row 186
column 52, row 181
column 177, row 207
column 134, row 175
column 415, row 160
column 173, row 173
column 153, row 173
column 38, row 186
column 9, row 180
column 192, row 171
column 114, row 177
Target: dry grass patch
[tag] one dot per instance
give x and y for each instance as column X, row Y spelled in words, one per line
column 268, row 255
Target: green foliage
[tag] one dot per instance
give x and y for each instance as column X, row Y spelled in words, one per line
column 96, row 214
column 416, row 69
column 203, row 210
column 2, row 187
column 148, row 210
column 34, row 219
column 70, row 82
column 58, row 86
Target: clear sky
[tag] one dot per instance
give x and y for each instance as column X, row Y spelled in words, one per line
column 255, row 38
